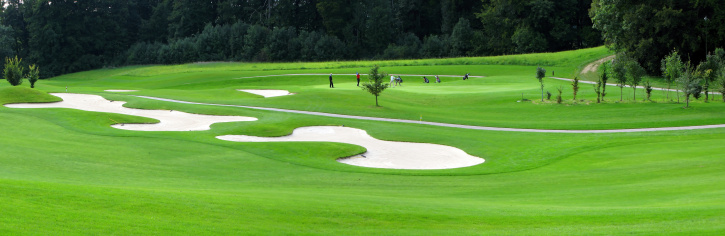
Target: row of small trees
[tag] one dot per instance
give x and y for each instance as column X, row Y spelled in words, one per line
column 691, row 80
column 14, row 73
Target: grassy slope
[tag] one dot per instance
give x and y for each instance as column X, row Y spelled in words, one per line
column 489, row 101
column 126, row 182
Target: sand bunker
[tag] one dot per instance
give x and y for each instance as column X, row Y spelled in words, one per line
column 169, row 120
column 380, row 154
column 120, row 90
column 267, row 93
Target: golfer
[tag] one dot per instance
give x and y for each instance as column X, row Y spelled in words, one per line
column 331, row 85
column 358, row 79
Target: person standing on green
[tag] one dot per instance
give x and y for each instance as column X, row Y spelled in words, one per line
column 331, row 85
column 358, row 79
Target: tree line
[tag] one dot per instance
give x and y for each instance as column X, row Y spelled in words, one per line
column 648, row 30
column 66, row 35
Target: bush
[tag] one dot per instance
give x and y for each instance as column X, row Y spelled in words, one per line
column 13, row 71
column 33, row 75
column 558, row 97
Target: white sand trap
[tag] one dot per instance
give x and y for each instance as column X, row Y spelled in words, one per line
column 120, row 90
column 169, row 120
column 267, row 93
column 380, row 154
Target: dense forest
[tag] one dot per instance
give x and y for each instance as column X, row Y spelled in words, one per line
column 68, row 35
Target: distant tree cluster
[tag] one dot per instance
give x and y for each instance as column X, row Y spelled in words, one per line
column 66, row 36
column 648, row 30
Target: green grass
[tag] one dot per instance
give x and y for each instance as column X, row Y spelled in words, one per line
column 64, row 171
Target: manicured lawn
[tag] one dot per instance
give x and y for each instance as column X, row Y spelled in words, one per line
column 68, row 172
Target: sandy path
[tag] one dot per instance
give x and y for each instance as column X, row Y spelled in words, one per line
column 594, row 65
column 380, row 154
column 267, row 93
column 168, row 120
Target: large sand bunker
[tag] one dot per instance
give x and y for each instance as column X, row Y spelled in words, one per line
column 267, row 93
column 168, row 120
column 380, row 154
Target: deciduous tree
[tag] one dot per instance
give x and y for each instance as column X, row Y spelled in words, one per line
column 672, row 69
column 375, row 84
column 634, row 73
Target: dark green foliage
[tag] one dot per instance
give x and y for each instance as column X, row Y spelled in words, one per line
column 376, row 83
column 436, row 46
column 461, row 38
column 33, row 75
column 407, row 47
column 522, row 26
column 254, row 42
column 6, row 44
column 548, row 95
column 649, row 30
column 283, row 45
column 188, row 17
column 156, row 27
column 70, row 36
column 13, row 71
column 540, row 73
column 528, row 40
column 380, row 25
column 329, row 48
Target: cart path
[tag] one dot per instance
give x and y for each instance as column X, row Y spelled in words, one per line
column 333, row 75
column 471, row 127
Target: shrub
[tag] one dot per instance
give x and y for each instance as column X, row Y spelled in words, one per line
column 13, row 72
column 33, row 75
column 558, row 97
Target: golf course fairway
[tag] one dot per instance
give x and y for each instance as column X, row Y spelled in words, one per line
column 70, row 172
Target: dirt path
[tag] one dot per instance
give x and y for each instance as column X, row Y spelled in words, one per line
column 595, row 65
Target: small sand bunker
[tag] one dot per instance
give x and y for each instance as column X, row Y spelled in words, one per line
column 267, row 93
column 120, row 90
column 380, row 154
column 169, row 120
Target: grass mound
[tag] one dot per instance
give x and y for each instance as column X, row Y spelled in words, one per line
column 25, row 95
